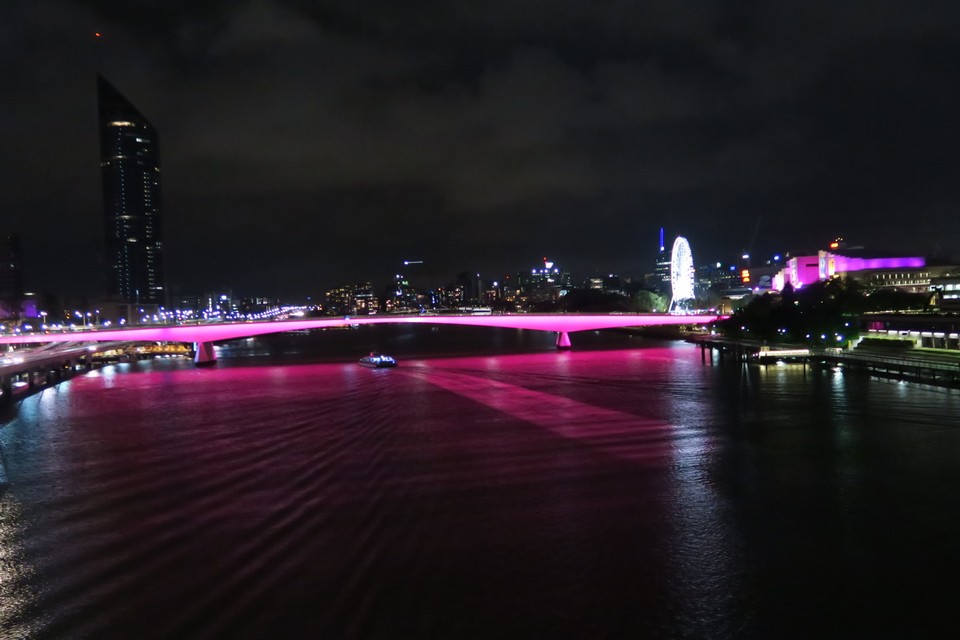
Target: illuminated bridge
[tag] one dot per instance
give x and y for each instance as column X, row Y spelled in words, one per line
column 204, row 335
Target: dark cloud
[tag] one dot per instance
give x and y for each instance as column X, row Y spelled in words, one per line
column 307, row 143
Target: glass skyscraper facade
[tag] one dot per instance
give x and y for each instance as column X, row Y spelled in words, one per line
column 130, row 166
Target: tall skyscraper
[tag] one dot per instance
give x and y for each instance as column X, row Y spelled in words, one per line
column 130, row 165
column 661, row 272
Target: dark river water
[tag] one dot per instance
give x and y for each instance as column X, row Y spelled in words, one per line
column 488, row 487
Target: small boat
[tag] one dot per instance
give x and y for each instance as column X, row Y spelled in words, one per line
column 377, row 361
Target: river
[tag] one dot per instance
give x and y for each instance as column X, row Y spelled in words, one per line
column 488, row 487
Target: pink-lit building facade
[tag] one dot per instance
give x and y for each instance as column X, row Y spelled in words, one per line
column 798, row 271
column 803, row 270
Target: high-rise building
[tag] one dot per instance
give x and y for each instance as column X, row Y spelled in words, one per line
column 403, row 296
column 352, row 299
column 547, row 283
column 661, row 272
column 130, row 165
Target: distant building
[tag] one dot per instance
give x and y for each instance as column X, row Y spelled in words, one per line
column 254, row 305
column 908, row 280
column 492, row 293
column 661, row 271
column 130, row 167
column 947, row 289
column 798, row 271
column 718, row 275
column 403, row 297
column 11, row 275
column 614, row 284
column 611, row 283
column 547, row 283
column 931, row 331
column 352, row 299
column 469, row 283
column 187, row 304
column 450, row 297
column 220, row 305
column 909, row 273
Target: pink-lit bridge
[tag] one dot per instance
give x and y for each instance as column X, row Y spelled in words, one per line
column 204, row 335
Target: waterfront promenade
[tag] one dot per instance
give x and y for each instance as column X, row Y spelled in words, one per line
column 928, row 366
column 24, row 371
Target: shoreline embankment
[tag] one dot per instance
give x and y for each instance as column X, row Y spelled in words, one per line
column 939, row 368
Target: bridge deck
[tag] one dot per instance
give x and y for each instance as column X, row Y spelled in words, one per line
column 560, row 323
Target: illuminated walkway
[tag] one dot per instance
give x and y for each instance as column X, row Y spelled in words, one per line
column 204, row 335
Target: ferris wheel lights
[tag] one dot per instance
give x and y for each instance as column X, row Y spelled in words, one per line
column 681, row 276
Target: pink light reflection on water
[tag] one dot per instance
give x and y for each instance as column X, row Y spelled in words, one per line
column 615, row 433
column 433, row 500
column 246, row 497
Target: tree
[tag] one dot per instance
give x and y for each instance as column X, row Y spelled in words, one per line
column 649, row 302
column 826, row 311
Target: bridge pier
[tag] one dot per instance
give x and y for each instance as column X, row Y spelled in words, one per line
column 563, row 340
column 203, row 354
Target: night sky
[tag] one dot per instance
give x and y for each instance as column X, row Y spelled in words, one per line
column 306, row 144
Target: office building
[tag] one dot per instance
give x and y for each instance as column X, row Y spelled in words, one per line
column 130, row 167
column 352, row 299
column 661, row 271
column 549, row 282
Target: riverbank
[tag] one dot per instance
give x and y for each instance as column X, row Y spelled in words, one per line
column 925, row 366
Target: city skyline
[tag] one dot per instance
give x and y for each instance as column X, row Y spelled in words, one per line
column 310, row 147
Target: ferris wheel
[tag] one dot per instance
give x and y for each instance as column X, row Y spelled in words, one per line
column 681, row 276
